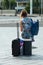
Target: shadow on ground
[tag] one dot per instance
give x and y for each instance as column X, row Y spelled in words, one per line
column 33, row 57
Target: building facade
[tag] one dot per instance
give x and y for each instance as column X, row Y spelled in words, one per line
column 21, row 4
column 36, row 6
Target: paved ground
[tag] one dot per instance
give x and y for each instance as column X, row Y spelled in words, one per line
column 7, row 34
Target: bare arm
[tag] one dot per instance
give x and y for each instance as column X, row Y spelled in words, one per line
column 21, row 26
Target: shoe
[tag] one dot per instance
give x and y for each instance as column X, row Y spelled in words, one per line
column 33, row 40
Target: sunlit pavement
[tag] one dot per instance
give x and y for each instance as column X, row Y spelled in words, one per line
column 7, row 34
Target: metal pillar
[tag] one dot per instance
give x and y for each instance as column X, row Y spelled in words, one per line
column 30, row 7
column 17, row 4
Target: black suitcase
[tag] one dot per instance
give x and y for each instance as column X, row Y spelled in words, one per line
column 27, row 48
column 16, row 47
column 16, row 44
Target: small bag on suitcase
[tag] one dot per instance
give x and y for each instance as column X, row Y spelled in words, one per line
column 16, row 44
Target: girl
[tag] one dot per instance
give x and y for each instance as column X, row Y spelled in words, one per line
column 25, row 25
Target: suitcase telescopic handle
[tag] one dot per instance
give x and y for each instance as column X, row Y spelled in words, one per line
column 17, row 30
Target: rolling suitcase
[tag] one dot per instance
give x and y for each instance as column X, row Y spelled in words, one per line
column 16, row 44
column 16, row 47
column 27, row 48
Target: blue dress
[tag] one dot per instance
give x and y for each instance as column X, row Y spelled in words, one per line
column 26, row 32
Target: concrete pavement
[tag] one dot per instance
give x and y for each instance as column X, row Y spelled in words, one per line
column 7, row 34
